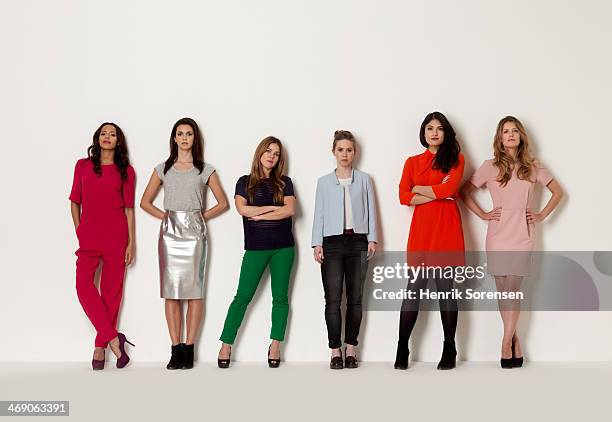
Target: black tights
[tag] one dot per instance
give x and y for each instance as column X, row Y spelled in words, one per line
column 410, row 310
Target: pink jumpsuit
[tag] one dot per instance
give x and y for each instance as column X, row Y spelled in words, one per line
column 103, row 235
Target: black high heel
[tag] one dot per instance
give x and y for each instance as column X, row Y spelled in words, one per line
column 449, row 356
column 273, row 363
column 401, row 357
column 517, row 362
column 225, row 363
column 509, row 362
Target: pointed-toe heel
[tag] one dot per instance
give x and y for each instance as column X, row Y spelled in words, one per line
column 401, row 357
column 123, row 360
column 97, row 365
column 449, row 356
column 516, row 362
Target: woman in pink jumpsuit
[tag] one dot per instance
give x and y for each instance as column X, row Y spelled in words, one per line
column 511, row 177
column 102, row 202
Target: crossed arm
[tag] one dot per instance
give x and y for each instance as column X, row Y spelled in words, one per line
column 268, row 212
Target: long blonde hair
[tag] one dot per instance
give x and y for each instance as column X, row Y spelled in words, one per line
column 275, row 175
column 504, row 161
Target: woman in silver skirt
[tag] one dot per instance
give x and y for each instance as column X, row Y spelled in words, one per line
column 182, row 242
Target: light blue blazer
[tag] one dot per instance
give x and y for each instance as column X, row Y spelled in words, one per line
column 329, row 207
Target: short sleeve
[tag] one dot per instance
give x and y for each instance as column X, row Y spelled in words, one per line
column 288, row 190
column 241, row 187
column 77, row 182
column 480, row 176
column 207, row 171
column 543, row 176
column 159, row 169
column 129, row 188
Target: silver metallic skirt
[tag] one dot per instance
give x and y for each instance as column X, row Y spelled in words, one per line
column 182, row 251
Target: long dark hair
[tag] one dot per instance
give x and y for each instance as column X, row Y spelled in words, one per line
column 197, row 149
column 276, row 176
column 448, row 153
column 120, row 156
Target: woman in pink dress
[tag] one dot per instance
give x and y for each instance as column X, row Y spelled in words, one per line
column 511, row 177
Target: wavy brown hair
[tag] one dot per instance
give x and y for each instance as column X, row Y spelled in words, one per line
column 276, row 175
column 524, row 161
column 120, row 157
column 197, row 149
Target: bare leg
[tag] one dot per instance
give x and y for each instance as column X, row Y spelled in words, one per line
column 224, row 352
column 336, row 352
column 275, row 349
column 99, row 353
column 174, row 319
column 194, row 319
column 504, row 306
column 515, row 286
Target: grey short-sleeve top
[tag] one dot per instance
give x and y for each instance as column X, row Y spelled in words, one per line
column 184, row 190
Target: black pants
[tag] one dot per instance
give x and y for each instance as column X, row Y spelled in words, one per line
column 410, row 310
column 344, row 261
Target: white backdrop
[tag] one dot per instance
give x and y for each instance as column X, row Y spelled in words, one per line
column 297, row 70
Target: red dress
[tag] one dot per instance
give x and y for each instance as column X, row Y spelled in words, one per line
column 436, row 225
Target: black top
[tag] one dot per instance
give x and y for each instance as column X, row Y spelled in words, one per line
column 265, row 234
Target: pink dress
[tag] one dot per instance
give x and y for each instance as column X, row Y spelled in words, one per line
column 511, row 234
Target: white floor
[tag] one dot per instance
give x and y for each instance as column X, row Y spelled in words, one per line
column 473, row 391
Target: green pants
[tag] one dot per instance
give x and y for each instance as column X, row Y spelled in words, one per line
column 253, row 265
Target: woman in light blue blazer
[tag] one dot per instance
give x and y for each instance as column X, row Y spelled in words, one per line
column 344, row 238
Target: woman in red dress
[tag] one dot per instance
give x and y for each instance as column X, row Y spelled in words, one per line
column 430, row 182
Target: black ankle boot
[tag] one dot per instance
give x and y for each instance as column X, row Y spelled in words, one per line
column 449, row 355
column 187, row 356
column 176, row 360
column 401, row 356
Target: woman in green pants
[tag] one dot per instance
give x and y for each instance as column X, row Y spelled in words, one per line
column 265, row 199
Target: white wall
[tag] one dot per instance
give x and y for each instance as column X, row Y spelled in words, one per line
column 297, row 70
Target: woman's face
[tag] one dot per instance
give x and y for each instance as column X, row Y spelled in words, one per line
column 108, row 137
column 344, row 153
column 511, row 137
column 270, row 157
column 184, row 137
column 434, row 133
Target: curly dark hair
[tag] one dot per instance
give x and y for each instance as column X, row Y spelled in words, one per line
column 448, row 153
column 121, row 157
column 197, row 149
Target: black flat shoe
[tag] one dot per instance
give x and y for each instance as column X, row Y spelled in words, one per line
column 176, row 359
column 350, row 361
column 336, row 362
column 187, row 356
column 401, row 357
column 449, row 356
column 273, row 363
column 225, row 363
column 507, row 363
